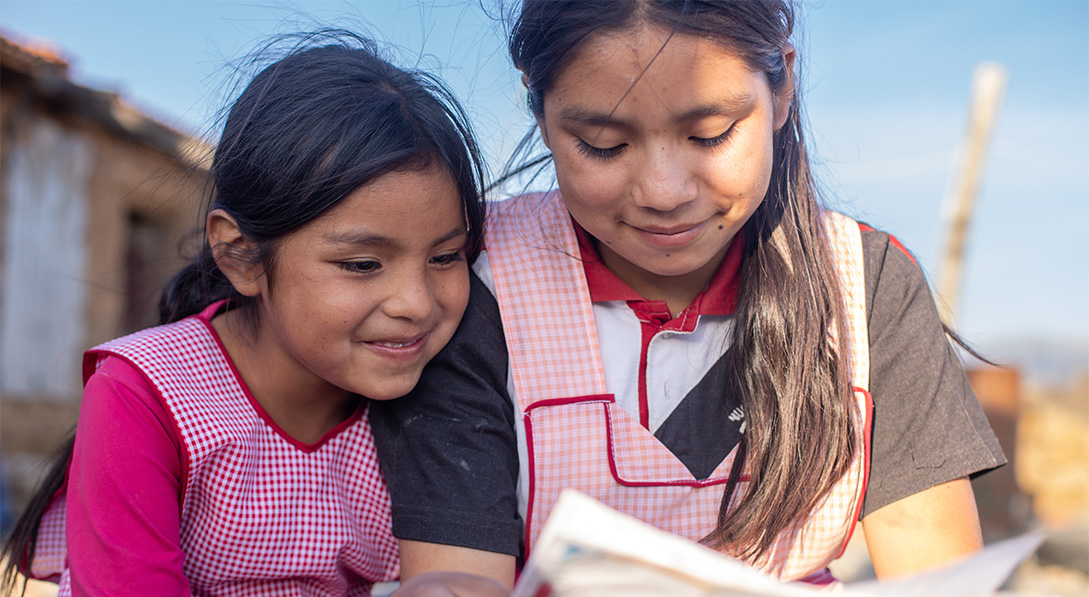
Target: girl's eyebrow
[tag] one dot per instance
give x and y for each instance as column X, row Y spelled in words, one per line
column 726, row 106
column 380, row 241
column 454, row 232
column 588, row 116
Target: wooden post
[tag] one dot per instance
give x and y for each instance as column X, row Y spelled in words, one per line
column 988, row 85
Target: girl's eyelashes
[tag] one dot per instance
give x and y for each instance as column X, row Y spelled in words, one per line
column 604, row 153
column 714, row 141
column 600, row 153
column 447, row 259
column 361, row 267
column 370, row 266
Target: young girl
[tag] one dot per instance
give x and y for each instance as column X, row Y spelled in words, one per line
column 687, row 336
column 227, row 452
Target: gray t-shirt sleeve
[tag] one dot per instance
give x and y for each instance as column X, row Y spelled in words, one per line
column 928, row 427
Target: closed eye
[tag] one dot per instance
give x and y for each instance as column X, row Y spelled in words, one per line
column 600, row 153
column 714, row 141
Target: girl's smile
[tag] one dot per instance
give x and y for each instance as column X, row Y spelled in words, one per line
column 664, row 156
column 404, row 349
column 670, row 237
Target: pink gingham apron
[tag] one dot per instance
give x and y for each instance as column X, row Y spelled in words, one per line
column 576, row 434
column 259, row 516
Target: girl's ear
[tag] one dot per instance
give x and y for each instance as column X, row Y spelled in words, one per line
column 233, row 253
column 783, row 100
column 539, row 117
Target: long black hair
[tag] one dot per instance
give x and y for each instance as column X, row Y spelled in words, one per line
column 789, row 373
column 308, row 130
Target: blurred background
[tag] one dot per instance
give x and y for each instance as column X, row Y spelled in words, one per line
column 108, row 112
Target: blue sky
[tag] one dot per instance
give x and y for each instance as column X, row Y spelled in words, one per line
column 887, row 88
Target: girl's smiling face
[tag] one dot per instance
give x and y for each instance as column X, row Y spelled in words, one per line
column 362, row 297
column 662, row 165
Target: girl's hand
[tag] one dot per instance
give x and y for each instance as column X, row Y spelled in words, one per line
column 450, row 584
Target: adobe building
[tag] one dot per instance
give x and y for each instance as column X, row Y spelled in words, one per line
column 96, row 199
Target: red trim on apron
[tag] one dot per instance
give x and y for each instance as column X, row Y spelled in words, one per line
column 867, row 436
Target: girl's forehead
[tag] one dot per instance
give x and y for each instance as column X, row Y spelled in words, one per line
column 650, row 69
column 395, row 208
column 644, row 49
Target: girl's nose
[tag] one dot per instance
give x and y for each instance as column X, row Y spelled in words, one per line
column 663, row 182
column 412, row 297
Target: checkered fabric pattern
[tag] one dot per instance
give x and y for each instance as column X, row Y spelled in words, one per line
column 549, row 279
column 50, row 554
column 578, row 437
column 260, row 516
column 845, row 239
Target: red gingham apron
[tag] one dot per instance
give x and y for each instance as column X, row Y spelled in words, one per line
column 259, row 516
column 578, row 437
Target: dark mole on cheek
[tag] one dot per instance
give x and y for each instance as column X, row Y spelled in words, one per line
column 720, row 226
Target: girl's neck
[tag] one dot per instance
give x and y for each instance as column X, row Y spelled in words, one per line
column 304, row 406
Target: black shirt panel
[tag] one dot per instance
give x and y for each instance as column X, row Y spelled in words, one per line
column 705, row 426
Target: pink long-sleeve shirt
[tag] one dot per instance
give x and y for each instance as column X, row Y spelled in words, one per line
column 124, row 490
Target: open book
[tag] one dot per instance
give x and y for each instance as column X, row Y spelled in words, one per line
column 588, row 549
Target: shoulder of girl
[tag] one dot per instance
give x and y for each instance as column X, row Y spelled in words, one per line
column 892, row 240
column 119, row 370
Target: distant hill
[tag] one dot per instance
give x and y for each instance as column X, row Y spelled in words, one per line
column 1040, row 360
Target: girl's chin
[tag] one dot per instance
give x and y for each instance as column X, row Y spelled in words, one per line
column 393, row 388
column 673, row 267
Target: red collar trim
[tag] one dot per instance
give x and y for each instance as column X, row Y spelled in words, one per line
column 719, row 298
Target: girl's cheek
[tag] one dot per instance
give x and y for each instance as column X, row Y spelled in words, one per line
column 593, row 176
column 590, row 193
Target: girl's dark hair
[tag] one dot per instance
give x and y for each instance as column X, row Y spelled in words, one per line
column 308, row 130
column 791, row 375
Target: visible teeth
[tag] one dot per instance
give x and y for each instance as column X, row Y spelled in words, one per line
column 395, row 344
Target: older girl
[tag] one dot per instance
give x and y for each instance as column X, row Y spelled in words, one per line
column 687, row 335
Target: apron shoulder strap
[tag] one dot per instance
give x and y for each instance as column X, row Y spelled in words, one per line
column 544, row 299
column 845, row 239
